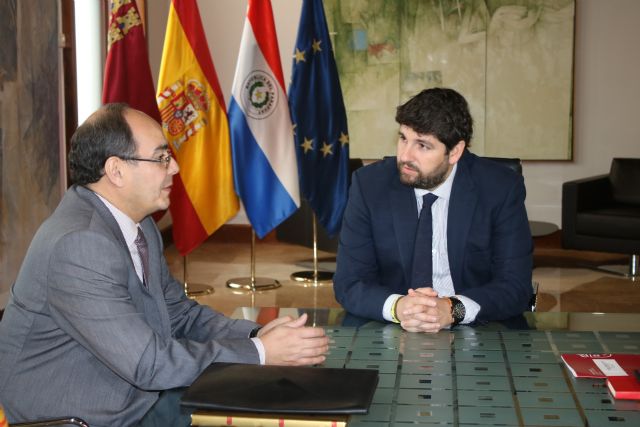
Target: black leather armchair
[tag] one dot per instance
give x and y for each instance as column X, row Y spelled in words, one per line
column 602, row 213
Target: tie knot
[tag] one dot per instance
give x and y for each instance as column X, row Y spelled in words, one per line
column 428, row 200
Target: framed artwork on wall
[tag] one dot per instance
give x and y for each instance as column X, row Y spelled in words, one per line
column 511, row 59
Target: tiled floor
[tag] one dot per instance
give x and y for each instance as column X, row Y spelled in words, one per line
column 562, row 285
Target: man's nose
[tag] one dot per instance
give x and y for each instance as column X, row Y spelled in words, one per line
column 174, row 168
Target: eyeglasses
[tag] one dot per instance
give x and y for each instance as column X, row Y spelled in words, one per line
column 165, row 159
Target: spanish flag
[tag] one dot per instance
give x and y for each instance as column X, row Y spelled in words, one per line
column 195, row 123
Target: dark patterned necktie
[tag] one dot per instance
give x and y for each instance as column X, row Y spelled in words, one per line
column 143, row 251
column 422, row 270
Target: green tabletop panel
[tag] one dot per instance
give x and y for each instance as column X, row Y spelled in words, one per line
column 387, row 331
column 383, row 395
column 478, row 356
column 387, row 380
column 536, row 370
column 475, row 344
column 424, row 397
column 340, row 331
column 374, row 354
column 561, row 336
column 620, row 336
column 541, row 399
column 525, row 345
column 360, row 423
column 340, row 341
column 383, row 366
column 620, row 346
column 579, row 347
column 428, row 342
column 468, row 416
column 376, row 342
column 481, row 368
column 426, row 368
column 424, row 414
column 475, row 333
column 337, row 353
column 524, row 335
column 546, row 384
column 476, row 382
column 531, row 357
column 607, row 402
column 377, row 413
column 588, row 385
column 500, row 399
column 612, row 418
column 421, row 355
column 426, row 381
column 551, row 417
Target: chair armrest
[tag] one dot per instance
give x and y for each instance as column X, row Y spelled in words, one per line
column 580, row 195
column 586, row 193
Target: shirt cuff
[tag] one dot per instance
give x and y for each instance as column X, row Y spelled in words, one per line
column 260, row 348
column 471, row 309
column 388, row 304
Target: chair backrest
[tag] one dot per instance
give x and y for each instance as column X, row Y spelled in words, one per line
column 512, row 163
column 625, row 181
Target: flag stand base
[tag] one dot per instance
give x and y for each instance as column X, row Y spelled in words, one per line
column 195, row 290
column 253, row 283
column 257, row 284
column 312, row 278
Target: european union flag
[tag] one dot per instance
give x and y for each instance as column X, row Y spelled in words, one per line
column 319, row 119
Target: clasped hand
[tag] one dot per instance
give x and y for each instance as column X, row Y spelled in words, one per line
column 288, row 342
column 421, row 310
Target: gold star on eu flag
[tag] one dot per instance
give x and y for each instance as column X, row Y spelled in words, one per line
column 344, row 139
column 299, row 56
column 307, row 145
column 316, row 46
column 326, row 149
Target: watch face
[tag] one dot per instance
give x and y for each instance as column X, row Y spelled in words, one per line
column 457, row 310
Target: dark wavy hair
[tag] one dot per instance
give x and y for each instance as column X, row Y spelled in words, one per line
column 440, row 112
column 104, row 134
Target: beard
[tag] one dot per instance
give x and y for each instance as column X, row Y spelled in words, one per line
column 425, row 182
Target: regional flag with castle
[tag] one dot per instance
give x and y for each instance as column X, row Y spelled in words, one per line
column 127, row 74
column 195, row 123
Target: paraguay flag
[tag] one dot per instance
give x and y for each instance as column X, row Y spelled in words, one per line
column 264, row 159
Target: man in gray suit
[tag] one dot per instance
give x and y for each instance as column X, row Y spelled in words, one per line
column 96, row 326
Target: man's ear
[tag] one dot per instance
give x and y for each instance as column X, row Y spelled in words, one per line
column 456, row 152
column 114, row 171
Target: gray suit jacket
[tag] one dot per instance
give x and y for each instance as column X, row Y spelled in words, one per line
column 82, row 336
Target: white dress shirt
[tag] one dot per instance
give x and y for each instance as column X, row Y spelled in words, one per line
column 442, row 282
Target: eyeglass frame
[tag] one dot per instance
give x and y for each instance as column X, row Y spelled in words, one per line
column 165, row 161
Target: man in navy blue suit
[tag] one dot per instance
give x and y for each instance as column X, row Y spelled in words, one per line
column 479, row 238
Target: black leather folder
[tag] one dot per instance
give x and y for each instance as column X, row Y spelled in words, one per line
column 282, row 389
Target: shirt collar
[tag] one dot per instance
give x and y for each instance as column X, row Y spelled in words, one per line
column 444, row 190
column 128, row 227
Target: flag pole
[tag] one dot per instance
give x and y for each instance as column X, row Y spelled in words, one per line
column 253, row 283
column 313, row 277
column 193, row 290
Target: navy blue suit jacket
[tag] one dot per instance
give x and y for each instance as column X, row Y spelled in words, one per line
column 488, row 239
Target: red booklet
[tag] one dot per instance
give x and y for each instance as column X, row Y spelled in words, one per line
column 624, row 387
column 618, row 369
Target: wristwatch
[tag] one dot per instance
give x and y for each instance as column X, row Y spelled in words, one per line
column 254, row 332
column 457, row 310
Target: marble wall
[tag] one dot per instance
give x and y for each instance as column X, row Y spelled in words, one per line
column 29, row 127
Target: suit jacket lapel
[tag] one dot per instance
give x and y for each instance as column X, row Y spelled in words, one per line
column 461, row 207
column 405, row 221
